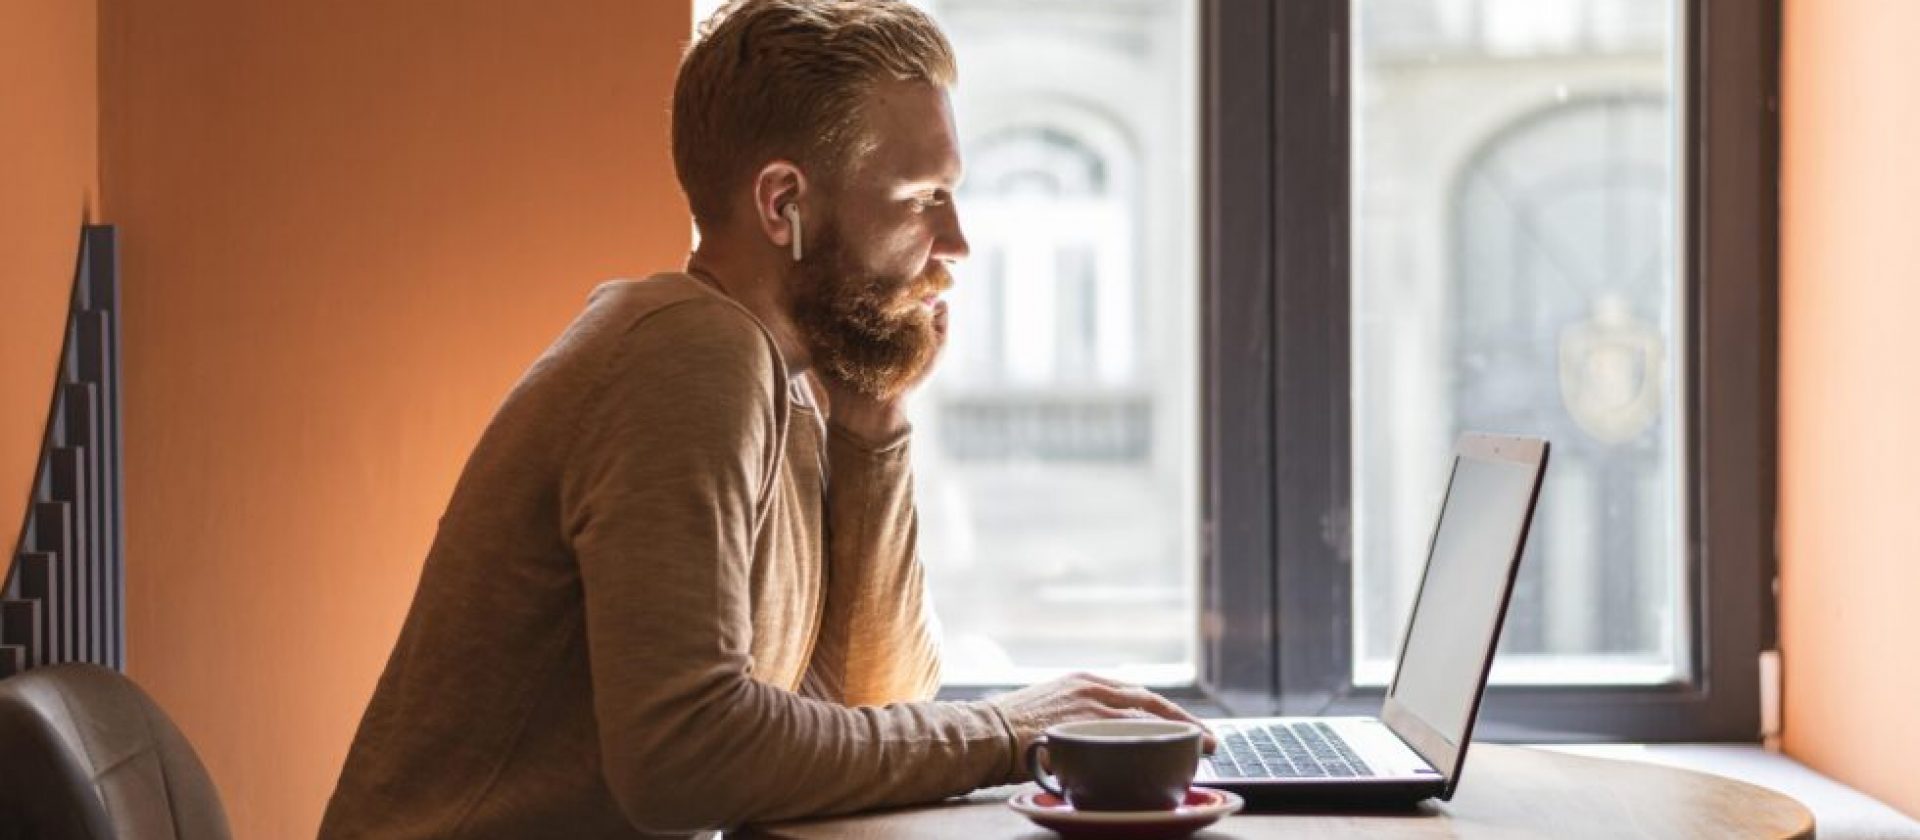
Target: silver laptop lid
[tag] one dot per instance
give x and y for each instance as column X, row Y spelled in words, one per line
column 1471, row 564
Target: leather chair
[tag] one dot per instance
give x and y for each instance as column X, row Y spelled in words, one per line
column 85, row 754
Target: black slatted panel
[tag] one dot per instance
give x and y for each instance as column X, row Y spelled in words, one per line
column 64, row 594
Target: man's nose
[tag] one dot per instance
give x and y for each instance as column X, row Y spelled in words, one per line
column 951, row 245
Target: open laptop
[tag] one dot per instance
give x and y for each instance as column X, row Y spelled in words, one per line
column 1417, row 746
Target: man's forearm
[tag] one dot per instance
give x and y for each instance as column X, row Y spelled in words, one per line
column 877, row 642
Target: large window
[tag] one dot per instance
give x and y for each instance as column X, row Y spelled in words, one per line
column 1542, row 217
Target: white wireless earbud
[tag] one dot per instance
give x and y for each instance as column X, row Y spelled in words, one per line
column 792, row 212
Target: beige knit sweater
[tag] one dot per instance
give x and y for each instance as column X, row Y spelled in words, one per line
column 664, row 598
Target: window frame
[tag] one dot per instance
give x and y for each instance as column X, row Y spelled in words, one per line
column 1277, row 527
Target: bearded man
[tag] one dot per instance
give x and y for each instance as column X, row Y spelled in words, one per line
column 676, row 588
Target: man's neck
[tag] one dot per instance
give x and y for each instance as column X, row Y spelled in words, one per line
column 758, row 288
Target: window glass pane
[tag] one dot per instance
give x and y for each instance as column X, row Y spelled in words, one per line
column 1056, row 446
column 1515, row 271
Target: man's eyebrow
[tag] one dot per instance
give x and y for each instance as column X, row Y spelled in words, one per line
column 941, row 181
column 924, row 187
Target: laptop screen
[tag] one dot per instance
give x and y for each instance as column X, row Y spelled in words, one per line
column 1456, row 619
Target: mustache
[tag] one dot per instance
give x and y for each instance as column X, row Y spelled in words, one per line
column 937, row 279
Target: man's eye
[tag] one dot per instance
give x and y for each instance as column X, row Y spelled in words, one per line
column 923, row 203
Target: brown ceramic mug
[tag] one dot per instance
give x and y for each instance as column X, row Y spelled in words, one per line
column 1118, row 765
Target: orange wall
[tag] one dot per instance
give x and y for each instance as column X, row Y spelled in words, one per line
column 1850, row 392
column 347, row 228
column 48, row 177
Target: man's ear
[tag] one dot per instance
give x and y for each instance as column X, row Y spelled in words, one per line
column 779, row 185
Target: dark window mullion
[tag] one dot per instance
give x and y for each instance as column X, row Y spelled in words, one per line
column 1311, row 305
column 1238, row 641
column 1734, row 223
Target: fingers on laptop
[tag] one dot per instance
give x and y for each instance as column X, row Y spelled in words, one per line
column 1121, row 695
column 1132, row 701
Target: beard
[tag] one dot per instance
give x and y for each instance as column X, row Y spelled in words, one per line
column 870, row 331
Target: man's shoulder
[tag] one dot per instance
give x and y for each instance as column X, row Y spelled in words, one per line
column 666, row 318
column 646, row 293
column 665, row 349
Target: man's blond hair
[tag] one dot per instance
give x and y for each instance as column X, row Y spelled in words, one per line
column 769, row 79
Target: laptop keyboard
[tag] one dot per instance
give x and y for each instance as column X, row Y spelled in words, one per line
column 1308, row 749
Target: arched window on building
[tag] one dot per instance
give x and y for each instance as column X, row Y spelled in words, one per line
column 1044, row 361
column 1563, row 301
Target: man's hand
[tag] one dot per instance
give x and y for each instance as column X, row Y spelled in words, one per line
column 1084, row 697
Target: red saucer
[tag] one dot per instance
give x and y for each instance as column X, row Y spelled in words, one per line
column 1203, row 807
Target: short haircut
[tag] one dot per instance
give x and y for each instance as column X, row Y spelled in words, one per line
column 769, row 79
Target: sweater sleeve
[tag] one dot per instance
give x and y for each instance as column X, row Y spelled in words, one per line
column 659, row 499
column 879, row 638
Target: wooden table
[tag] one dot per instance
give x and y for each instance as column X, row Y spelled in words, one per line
column 1507, row 792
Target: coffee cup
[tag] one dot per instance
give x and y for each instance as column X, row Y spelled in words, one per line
column 1118, row 765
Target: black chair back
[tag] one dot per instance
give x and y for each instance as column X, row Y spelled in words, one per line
column 86, row 755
